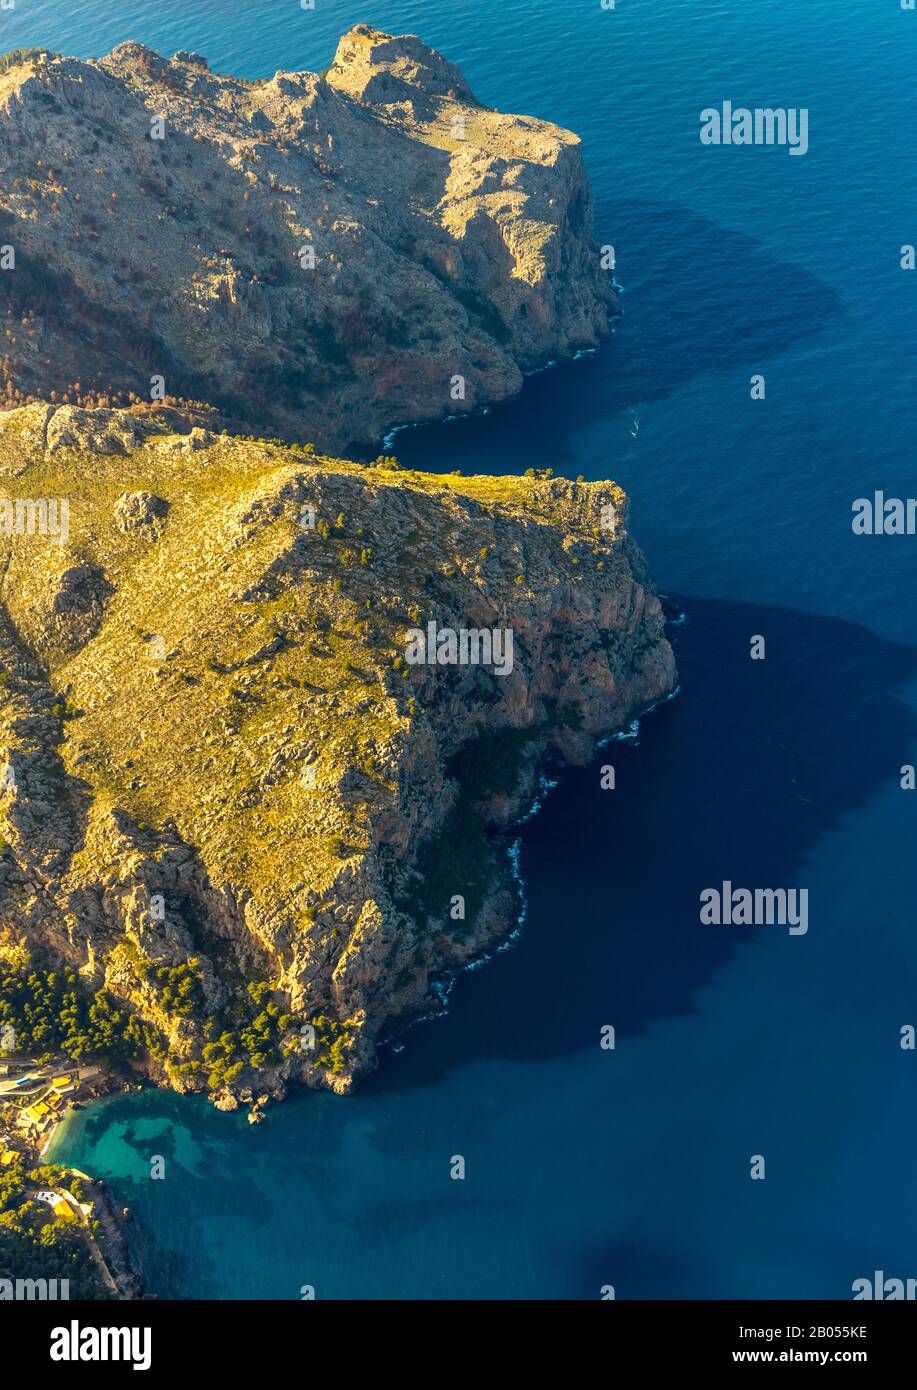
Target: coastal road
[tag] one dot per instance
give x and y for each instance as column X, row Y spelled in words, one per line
column 37, row 1076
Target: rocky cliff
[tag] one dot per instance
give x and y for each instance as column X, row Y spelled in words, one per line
column 327, row 255
column 227, row 795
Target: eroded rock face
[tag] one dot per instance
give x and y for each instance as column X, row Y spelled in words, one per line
column 330, row 255
column 234, row 770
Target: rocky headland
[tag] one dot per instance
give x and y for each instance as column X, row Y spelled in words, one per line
column 323, row 255
column 229, row 803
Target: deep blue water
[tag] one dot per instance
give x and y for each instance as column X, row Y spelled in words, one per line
column 587, row 1167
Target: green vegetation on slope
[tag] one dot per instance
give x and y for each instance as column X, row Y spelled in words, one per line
column 49, row 1011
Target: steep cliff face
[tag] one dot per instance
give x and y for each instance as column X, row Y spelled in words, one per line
column 222, row 765
column 325, row 255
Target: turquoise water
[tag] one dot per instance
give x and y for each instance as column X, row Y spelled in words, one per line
column 630, row 1167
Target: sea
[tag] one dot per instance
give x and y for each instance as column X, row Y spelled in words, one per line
column 737, row 1049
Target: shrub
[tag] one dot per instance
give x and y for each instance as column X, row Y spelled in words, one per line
column 15, row 56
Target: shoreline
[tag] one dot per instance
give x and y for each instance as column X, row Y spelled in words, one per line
column 390, row 435
column 54, row 1134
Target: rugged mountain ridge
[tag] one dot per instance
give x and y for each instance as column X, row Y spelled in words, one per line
column 328, row 255
column 227, row 798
